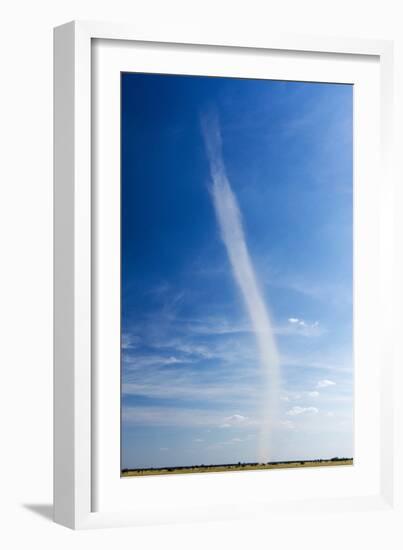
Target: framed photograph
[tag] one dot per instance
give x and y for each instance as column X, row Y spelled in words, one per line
column 224, row 249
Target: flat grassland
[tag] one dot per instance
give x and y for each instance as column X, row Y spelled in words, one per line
column 238, row 467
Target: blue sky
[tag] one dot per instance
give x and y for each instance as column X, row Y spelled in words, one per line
column 191, row 375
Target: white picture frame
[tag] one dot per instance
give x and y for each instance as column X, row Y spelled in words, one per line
column 84, row 495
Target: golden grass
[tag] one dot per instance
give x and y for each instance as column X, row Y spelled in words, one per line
column 237, row 467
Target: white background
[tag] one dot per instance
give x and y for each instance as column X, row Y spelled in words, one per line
column 26, row 267
column 218, row 492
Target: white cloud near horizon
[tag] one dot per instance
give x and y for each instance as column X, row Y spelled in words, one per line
column 302, row 322
column 236, row 418
column 325, row 383
column 288, row 424
column 296, row 411
column 233, row 420
column 231, row 441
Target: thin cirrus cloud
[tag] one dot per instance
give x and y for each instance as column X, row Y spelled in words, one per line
column 302, row 327
column 232, row 441
column 232, row 234
column 318, row 362
column 235, row 440
column 296, row 411
column 191, row 380
column 295, row 396
column 139, row 361
column 302, row 323
column 179, row 344
column 338, row 294
column 137, row 415
column 170, row 416
column 233, row 420
column 185, row 388
column 287, row 424
column 325, row 383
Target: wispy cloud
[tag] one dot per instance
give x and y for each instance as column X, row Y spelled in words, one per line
column 129, row 341
column 232, row 233
column 215, row 326
column 301, row 323
column 317, row 361
column 287, row 424
column 139, row 361
column 325, row 383
column 190, row 340
column 232, row 441
column 169, row 416
column 300, row 327
column 236, row 418
column 296, row 411
column 337, row 294
column 189, row 386
column 233, row 420
column 181, row 417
